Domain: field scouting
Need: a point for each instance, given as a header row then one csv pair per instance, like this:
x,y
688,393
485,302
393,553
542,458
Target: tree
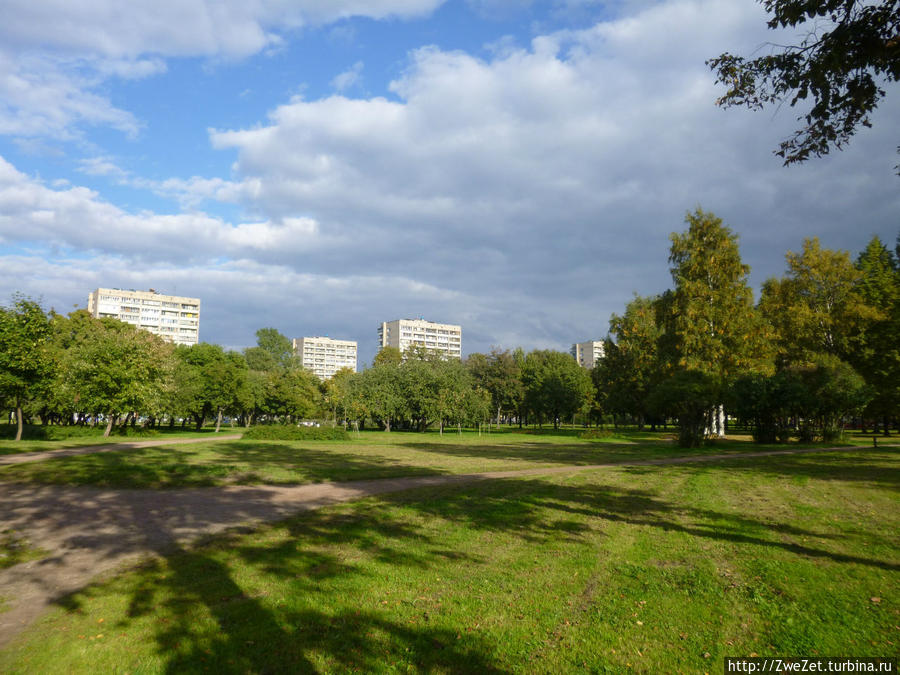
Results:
x,y
293,393
556,387
715,329
379,393
275,345
630,365
24,362
115,368
388,356
209,381
337,392
876,352
818,307
692,396
499,374
851,48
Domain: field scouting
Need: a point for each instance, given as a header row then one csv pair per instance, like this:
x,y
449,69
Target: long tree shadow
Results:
x,y
232,462
215,618
861,465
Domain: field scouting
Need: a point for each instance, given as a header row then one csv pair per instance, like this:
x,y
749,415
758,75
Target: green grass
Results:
x,y
15,549
41,439
368,456
642,569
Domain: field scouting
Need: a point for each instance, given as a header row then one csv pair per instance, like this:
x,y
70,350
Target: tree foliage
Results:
x,y
850,49
24,357
630,366
819,306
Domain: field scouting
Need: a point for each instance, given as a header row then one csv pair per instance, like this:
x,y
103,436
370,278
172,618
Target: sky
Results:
x,y
513,166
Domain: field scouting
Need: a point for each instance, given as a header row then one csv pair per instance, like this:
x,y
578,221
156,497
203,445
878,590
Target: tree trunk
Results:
x,y
19,424
109,424
387,424
218,419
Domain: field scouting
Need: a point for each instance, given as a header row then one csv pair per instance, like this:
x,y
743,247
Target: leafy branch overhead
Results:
x,y
850,50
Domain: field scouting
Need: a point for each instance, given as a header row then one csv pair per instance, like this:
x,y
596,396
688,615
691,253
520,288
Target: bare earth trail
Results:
x,y
88,531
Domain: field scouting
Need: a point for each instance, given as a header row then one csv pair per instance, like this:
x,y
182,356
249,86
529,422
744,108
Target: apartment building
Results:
x,y
443,338
325,356
173,317
587,354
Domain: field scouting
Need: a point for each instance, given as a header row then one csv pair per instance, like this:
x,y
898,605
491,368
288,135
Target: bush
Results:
x,y
287,432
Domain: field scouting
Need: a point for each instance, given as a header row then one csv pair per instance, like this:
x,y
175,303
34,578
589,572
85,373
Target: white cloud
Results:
x,y
349,78
46,96
525,196
54,56
79,219
228,28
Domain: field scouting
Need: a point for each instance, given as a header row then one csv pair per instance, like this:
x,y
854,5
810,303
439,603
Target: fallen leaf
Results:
x,y
875,600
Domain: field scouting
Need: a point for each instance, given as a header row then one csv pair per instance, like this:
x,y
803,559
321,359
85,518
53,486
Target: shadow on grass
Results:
x,y
875,467
231,462
212,607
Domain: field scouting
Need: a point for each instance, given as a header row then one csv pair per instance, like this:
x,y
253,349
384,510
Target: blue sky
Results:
x,y
514,166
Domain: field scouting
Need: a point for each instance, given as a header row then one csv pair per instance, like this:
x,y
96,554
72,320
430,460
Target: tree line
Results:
x,y
79,370
819,346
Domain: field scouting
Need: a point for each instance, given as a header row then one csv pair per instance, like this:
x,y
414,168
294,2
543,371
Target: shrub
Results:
x,y
287,432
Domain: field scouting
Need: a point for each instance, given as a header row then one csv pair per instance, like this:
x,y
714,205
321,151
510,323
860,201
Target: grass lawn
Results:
x,y
368,455
659,569
40,439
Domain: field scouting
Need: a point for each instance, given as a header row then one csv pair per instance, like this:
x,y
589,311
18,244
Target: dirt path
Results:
x,y
89,531
23,457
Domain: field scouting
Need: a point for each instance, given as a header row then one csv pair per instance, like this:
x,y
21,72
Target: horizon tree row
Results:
x,y
820,346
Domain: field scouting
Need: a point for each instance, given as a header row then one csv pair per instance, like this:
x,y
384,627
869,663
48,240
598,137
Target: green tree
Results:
x,y
388,356
276,345
715,329
379,394
24,356
630,365
115,368
556,387
876,351
337,392
848,52
692,396
292,393
209,381
819,307
500,375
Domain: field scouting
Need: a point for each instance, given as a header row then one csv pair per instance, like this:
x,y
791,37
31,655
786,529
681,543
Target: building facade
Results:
x,y
443,338
325,356
587,354
173,317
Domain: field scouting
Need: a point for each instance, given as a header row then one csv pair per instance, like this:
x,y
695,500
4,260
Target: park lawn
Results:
x,y
75,437
643,569
370,455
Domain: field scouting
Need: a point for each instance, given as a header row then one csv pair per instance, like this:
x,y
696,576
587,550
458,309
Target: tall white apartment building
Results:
x,y
175,318
443,338
325,356
587,353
